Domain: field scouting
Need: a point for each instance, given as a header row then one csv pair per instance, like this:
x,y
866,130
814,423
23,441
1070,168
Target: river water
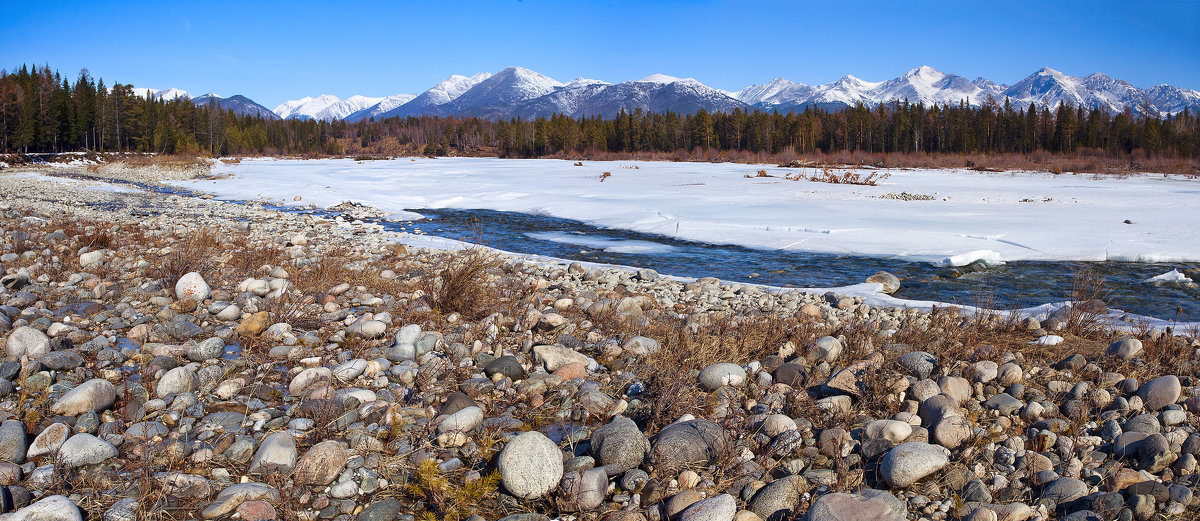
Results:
x,y
1009,286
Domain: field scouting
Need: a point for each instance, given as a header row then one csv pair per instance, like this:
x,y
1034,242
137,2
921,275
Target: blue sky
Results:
x,y
275,51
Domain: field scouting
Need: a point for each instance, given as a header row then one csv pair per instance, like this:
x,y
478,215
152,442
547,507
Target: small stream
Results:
x,y
1011,286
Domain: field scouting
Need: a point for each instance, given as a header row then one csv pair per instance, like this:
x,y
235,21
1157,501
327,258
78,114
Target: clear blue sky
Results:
x,y
275,51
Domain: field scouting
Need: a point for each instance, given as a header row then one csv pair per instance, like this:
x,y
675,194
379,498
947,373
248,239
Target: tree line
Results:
x,y
42,111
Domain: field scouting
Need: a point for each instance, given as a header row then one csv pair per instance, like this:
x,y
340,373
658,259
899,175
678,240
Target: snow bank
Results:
x,y
1017,216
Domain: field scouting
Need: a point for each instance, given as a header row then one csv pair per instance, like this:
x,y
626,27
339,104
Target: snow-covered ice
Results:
x,y
604,243
1170,277
996,217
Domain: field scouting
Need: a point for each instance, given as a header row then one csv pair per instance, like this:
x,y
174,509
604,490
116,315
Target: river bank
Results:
x,y
176,355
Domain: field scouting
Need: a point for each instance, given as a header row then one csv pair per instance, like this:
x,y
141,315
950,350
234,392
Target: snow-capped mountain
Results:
x,y
1169,99
345,107
165,94
519,92
933,86
1046,87
657,93
239,104
384,105
431,101
306,107
493,96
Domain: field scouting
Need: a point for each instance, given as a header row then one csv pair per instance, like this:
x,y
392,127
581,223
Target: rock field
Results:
x,y
175,357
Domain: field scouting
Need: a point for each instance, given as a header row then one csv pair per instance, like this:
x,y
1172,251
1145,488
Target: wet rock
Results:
x,y
891,283
530,465
507,366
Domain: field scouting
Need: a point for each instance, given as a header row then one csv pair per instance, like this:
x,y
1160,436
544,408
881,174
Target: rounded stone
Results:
x,y
276,454
95,395
192,286
918,363
27,341
894,431
851,507
689,442
716,376
1160,392
530,465
84,449
908,462
49,440
586,488
776,424
322,463
1125,348
461,420
13,442
716,508
176,381
619,445
891,283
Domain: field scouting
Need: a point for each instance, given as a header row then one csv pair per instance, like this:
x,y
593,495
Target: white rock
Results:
x,y
27,341
178,380
85,449
530,465
192,286
92,259
96,395
277,454
462,420
716,376
892,430
49,441
908,462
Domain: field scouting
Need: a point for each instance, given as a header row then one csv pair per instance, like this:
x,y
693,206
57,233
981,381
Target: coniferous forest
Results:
x,y
42,111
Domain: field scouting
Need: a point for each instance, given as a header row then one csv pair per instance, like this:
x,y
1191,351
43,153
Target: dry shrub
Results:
x,y
199,253
849,177
461,284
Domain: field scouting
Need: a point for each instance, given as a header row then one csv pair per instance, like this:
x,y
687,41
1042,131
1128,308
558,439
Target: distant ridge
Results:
x,y
519,92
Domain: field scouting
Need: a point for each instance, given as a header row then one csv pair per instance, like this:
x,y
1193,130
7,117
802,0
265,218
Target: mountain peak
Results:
x,y
663,78
1047,71
924,70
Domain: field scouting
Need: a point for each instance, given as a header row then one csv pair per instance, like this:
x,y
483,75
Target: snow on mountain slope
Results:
x,y
657,94
431,101
1169,99
384,105
306,107
238,104
564,100
345,108
847,90
165,94
779,91
928,85
507,87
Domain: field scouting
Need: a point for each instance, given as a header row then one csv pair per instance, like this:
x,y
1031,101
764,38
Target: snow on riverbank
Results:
x,y
1011,216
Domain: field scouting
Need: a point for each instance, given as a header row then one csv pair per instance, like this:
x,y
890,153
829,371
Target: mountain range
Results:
x,y
519,92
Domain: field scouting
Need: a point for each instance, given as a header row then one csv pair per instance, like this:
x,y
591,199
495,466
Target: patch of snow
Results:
x,y
988,257
1170,277
1048,340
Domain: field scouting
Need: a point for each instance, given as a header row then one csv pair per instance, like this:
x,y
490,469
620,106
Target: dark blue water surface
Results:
x,y
1010,286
